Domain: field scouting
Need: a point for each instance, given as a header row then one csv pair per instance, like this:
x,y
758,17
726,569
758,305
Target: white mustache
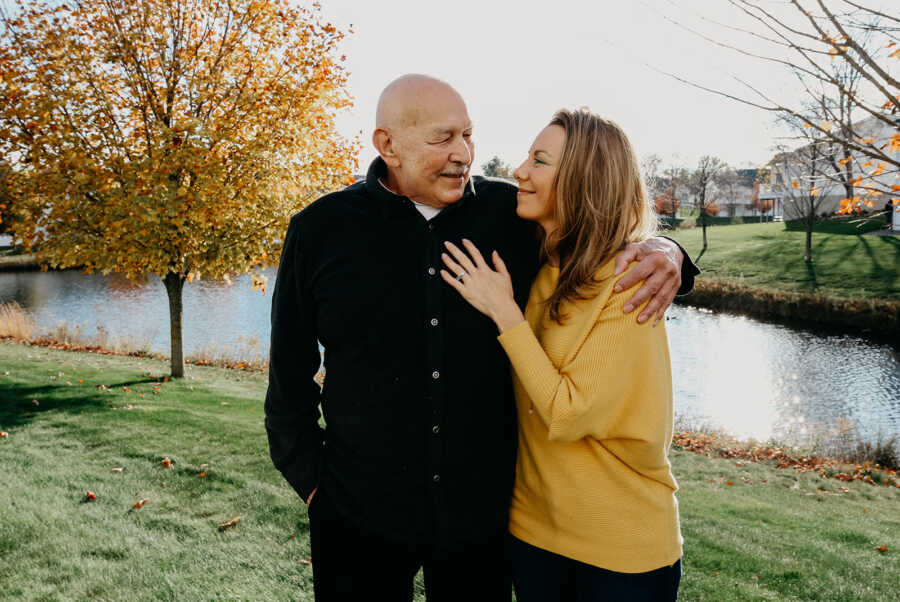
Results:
x,y
455,173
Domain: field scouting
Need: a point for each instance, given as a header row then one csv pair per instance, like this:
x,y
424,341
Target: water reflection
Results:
x,y
764,380
747,377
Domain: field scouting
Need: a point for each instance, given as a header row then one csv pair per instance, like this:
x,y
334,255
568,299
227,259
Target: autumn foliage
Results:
x,y
712,444
667,202
173,137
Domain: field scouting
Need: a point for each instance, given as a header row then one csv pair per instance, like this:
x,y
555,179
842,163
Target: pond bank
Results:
x,y
16,263
876,319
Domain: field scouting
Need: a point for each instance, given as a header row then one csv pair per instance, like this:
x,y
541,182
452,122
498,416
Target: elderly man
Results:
x,y
416,463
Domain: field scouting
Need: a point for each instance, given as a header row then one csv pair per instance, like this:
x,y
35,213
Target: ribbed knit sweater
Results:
x,y
594,397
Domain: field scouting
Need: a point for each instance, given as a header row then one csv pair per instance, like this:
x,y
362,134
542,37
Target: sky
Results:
x,y
517,62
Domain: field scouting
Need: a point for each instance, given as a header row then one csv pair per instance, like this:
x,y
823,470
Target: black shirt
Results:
x,y
420,440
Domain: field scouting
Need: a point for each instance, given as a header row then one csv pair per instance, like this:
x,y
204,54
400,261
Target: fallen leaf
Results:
x,y
202,475
166,463
140,503
3,434
35,402
68,382
118,469
729,483
882,549
90,496
229,523
306,561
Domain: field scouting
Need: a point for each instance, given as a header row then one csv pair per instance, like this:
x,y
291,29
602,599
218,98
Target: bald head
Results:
x,y
409,99
424,135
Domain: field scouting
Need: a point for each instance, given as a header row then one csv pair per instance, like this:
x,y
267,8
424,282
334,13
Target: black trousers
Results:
x,y
542,576
351,564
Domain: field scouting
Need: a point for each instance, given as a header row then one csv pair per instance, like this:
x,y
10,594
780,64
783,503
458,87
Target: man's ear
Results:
x,y
384,144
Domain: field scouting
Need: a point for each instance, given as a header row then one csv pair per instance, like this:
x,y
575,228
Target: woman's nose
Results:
x,y
520,173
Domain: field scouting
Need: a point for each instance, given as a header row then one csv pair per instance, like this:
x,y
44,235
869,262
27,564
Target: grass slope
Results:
x,y
767,255
770,535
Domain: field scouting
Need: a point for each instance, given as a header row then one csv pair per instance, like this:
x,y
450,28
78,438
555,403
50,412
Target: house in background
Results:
x,y
808,178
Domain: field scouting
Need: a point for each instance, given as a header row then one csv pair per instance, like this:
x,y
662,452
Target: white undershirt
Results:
x,y
427,211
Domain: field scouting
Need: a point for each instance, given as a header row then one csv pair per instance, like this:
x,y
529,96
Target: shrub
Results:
x,y
15,322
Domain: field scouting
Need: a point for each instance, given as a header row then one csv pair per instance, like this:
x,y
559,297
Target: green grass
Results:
x,y
772,535
769,256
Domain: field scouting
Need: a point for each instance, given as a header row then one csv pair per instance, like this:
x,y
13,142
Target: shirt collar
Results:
x,y
391,202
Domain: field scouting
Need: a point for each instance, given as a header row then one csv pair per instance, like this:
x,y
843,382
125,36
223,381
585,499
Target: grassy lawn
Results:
x,y
752,532
766,255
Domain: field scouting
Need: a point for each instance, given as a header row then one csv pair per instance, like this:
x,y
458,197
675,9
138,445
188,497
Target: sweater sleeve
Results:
x,y
585,397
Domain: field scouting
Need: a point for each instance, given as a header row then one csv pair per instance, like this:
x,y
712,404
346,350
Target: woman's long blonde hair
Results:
x,y
600,203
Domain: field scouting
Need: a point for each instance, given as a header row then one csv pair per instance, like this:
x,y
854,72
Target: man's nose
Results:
x,y
460,153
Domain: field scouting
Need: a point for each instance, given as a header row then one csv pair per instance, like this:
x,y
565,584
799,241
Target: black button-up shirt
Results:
x,y
420,437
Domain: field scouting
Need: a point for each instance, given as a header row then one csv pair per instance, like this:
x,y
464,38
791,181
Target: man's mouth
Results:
x,y
461,176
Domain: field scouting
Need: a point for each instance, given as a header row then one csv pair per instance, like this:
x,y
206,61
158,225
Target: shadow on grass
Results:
x,y
17,405
878,271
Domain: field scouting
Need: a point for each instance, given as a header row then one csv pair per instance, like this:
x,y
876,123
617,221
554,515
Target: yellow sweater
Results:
x,y
594,396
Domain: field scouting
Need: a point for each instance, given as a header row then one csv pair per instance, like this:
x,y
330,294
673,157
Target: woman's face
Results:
x,y
535,177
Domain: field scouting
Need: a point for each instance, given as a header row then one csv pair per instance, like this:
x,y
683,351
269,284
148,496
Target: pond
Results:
x,y
747,377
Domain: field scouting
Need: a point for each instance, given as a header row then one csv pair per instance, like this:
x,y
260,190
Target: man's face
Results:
x,y
435,151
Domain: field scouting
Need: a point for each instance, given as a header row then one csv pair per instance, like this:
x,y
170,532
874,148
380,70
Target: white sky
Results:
x,y
516,62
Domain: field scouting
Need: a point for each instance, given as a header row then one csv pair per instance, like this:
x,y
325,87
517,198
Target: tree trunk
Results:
x,y
174,286
809,230
703,222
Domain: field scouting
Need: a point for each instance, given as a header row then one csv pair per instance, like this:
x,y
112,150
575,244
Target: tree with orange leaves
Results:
x,y
844,55
667,203
172,137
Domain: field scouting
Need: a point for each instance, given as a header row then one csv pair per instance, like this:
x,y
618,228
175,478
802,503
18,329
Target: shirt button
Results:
x,y
436,478
436,429
432,271
435,375
434,321
430,226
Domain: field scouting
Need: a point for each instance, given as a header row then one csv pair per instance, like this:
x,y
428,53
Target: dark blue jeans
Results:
x,y
542,576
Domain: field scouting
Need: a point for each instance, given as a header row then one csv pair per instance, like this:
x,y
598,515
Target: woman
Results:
x,y
593,515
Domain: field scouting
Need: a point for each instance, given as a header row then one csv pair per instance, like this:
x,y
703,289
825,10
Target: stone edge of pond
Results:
x,y
877,319
15,263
